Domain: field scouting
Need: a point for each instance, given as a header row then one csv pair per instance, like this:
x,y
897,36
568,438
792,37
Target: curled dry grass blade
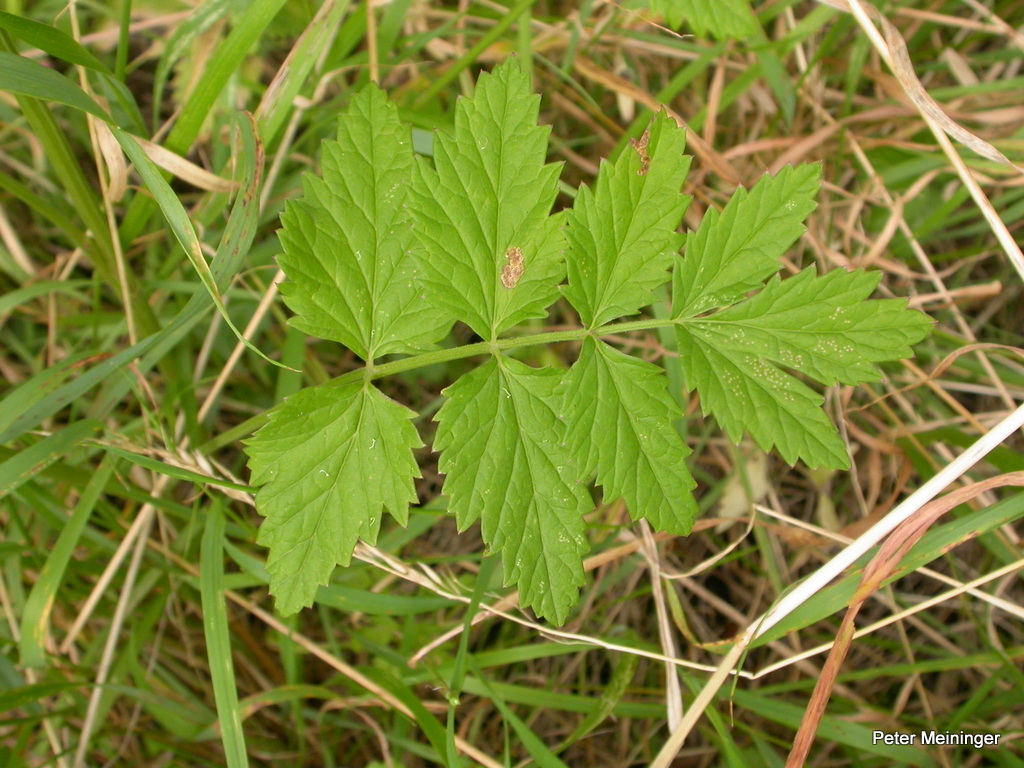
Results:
x,y
878,570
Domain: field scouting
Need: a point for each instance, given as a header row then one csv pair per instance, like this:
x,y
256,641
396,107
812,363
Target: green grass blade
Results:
x,y
350,600
28,78
17,297
175,47
251,22
277,105
474,52
41,600
538,750
32,406
172,210
218,637
62,46
777,77
16,697
68,170
51,40
53,209
182,228
939,540
252,19
58,398
618,684
427,722
123,106
832,728
121,60
244,218
176,472
458,675
22,399
24,465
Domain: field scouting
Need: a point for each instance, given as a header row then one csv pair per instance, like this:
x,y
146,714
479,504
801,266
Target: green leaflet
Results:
x,y
745,393
722,18
329,460
387,251
622,240
488,194
349,251
622,236
734,251
819,326
618,417
506,462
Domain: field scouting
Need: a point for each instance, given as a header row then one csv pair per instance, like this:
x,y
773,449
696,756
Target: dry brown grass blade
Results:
x,y
938,126
952,357
673,692
903,68
823,690
184,169
882,565
113,156
930,380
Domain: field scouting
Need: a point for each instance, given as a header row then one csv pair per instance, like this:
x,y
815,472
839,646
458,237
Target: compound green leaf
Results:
x,y
387,251
329,461
349,249
735,251
618,415
503,451
820,326
622,236
494,254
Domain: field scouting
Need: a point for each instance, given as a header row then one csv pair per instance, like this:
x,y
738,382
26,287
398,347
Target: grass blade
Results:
x,y
182,228
218,637
51,40
27,78
179,473
538,750
33,404
41,600
23,466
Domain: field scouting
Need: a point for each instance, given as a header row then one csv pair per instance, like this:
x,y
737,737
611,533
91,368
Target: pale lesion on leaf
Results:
x,y
640,145
513,269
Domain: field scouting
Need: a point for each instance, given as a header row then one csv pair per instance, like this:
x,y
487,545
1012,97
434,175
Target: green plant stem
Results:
x,y
484,347
447,355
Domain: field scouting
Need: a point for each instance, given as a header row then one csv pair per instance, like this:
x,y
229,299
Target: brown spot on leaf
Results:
x,y
641,149
513,270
